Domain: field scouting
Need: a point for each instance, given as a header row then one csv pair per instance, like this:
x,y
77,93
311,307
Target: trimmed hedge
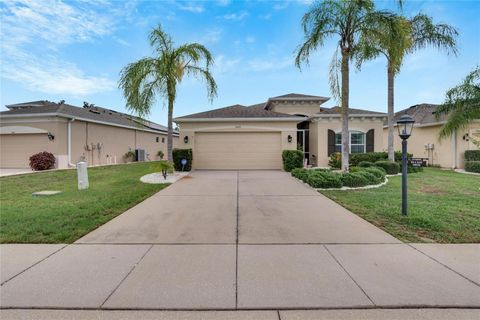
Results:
x,y
365,164
472,166
42,161
354,180
378,172
389,166
472,155
356,158
329,179
324,179
178,155
292,159
300,173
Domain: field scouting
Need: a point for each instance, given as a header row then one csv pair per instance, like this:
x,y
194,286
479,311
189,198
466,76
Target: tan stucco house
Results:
x,y
424,141
96,135
253,137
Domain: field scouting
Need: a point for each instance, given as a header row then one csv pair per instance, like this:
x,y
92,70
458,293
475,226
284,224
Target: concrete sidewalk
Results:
x,y
239,241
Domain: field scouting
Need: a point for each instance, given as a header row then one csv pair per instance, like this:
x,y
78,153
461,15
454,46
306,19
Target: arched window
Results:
x,y
357,142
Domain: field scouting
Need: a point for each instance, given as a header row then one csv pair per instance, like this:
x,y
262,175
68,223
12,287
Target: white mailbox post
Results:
x,y
82,175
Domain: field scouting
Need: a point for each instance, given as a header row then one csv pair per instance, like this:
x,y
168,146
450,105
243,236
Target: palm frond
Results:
x,y
462,104
426,33
205,75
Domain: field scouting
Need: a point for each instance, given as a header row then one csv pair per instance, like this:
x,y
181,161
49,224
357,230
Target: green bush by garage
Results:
x,y
292,159
178,155
472,161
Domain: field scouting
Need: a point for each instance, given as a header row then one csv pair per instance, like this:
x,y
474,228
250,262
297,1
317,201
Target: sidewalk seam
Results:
x,y
350,276
126,276
442,264
33,265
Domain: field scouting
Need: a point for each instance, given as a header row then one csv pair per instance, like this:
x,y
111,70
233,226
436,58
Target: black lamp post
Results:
x,y
405,126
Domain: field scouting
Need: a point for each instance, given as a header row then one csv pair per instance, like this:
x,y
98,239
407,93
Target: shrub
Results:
x,y
324,179
300,173
412,169
130,155
354,179
292,159
356,158
472,166
160,154
389,166
178,155
365,164
371,178
335,160
472,155
42,161
378,172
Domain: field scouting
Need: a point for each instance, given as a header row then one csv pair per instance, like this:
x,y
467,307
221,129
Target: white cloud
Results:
x,y
195,8
212,36
226,65
250,39
223,3
43,27
280,5
236,16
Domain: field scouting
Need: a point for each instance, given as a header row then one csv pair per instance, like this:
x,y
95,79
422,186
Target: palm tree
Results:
x,y
348,21
462,104
395,39
143,80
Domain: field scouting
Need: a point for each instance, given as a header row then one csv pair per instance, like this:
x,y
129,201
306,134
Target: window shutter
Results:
x,y
370,140
331,142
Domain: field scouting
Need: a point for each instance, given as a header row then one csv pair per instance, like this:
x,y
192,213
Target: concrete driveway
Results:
x,y
239,240
251,207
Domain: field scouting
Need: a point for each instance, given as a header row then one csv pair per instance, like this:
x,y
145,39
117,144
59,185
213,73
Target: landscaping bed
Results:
x,y
328,179
443,207
65,217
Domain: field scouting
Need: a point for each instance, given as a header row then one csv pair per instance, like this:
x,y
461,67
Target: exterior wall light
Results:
x,y
404,126
185,139
289,138
50,136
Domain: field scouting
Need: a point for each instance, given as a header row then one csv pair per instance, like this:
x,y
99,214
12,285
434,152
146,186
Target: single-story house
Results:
x,y
424,141
253,137
96,135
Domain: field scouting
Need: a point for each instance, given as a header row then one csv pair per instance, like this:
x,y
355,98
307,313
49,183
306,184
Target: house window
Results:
x,y
163,140
157,139
357,142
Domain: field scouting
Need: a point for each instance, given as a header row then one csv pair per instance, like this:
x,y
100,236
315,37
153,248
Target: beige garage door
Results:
x,y
16,149
238,150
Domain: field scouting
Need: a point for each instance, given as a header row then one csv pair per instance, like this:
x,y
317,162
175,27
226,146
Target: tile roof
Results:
x,y
89,113
351,111
298,96
423,113
238,111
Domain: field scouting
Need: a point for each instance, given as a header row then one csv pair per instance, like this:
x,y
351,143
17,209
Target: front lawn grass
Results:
x,y
443,206
66,217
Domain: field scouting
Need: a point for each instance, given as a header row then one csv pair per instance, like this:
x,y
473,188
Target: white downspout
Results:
x,y
69,142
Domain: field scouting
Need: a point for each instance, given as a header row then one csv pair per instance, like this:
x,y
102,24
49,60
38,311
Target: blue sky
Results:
x,y
74,50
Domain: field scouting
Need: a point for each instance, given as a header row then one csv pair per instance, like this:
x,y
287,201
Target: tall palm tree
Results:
x,y
143,80
395,39
462,104
347,21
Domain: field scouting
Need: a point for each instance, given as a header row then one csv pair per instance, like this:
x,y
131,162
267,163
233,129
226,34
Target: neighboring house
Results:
x,y
92,134
424,142
253,137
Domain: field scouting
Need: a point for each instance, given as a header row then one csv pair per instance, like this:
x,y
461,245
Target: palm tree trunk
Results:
x,y
170,130
391,79
344,105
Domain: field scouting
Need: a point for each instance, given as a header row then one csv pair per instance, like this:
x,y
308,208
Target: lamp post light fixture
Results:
x,y
404,126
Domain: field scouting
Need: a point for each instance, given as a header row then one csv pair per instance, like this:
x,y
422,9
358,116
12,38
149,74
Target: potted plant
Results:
x,y
160,154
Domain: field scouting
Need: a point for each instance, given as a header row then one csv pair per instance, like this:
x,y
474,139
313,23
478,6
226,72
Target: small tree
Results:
x,y
163,166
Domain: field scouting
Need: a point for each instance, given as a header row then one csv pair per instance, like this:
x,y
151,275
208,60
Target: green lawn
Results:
x,y
444,206
66,217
